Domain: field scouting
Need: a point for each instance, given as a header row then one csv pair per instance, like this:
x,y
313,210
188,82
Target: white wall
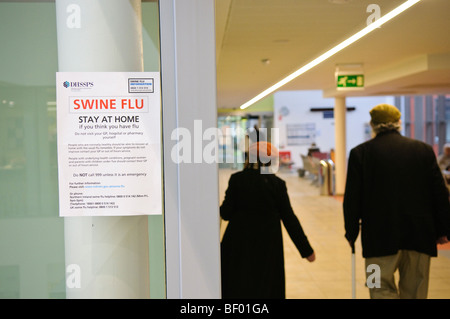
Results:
x,y
299,103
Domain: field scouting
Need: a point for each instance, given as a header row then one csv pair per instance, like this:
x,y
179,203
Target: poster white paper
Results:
x,y
109,143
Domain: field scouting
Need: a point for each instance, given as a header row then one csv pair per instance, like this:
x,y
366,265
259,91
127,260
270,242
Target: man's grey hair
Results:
x,y
385,127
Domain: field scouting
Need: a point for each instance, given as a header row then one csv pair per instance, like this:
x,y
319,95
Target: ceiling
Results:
x,y
259,42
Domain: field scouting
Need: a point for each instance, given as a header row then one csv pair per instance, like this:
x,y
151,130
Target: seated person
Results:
x,y
313,149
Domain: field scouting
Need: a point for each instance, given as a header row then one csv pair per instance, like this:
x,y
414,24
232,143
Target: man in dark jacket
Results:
x,y
396,192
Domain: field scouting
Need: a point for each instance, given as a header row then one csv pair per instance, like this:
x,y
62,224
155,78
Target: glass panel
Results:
x,y
150,39
31,233
232,142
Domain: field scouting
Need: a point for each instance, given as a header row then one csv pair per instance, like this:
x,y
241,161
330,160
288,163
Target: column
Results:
x,y
340,110
192,189
108,254
441,125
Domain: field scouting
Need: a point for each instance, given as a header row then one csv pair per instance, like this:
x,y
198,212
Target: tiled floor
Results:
x,y
330,276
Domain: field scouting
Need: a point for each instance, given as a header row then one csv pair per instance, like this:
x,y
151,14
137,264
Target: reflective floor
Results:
x,y
330,276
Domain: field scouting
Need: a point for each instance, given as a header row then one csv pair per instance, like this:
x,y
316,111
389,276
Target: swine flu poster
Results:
x,y
109,143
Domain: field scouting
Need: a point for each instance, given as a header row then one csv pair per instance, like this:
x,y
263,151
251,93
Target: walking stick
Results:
x,y
353,271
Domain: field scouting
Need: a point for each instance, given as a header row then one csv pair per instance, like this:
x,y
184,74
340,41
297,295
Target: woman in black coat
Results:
x,y
252,246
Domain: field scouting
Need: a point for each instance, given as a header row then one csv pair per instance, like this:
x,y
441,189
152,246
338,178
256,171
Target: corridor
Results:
x,y
330,276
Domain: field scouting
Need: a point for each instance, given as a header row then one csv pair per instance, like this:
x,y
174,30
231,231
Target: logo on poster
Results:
x,y
78,85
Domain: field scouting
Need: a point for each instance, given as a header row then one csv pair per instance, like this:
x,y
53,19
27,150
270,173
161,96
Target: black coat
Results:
x,y
396,189
252,247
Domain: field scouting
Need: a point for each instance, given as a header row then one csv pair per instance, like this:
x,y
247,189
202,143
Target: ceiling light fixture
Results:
x,y
376,24
339,1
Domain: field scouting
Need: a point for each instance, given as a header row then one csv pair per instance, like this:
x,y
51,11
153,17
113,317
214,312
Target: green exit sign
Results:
x,y
350,81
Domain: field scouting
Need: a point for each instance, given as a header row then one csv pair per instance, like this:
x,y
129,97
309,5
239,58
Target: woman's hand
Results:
x,y
442,240
311,257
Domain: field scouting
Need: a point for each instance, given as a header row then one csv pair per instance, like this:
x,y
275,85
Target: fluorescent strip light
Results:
x,y
376,24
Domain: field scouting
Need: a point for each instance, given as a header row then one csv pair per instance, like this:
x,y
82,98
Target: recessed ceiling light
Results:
x,y
340,1
281,41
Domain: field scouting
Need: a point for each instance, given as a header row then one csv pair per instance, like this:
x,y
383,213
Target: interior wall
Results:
x,y
293,109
